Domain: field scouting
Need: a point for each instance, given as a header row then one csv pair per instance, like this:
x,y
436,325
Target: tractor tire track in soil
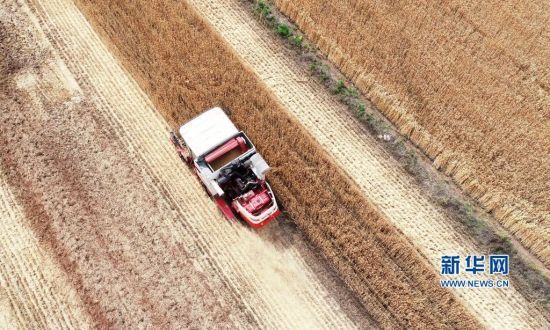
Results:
x,y
130,225
363,159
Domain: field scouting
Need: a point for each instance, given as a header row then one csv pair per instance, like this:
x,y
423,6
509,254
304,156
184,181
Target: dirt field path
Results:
x,y
151,248
33,290
382,180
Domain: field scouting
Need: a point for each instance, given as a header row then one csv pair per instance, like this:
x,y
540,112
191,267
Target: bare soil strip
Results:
x,y
34,291
130,225
380,179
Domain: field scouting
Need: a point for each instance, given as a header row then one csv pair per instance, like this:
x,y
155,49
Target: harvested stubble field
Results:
x,y
100,197
185,67
466,81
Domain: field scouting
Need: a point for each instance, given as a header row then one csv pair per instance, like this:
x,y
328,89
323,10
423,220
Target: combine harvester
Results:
x,y
228,165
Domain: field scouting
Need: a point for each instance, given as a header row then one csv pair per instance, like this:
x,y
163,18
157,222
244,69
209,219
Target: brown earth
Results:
x,y
185,67
467,82
33,288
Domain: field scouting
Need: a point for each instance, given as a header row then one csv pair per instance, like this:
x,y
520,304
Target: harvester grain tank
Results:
x,y
228,165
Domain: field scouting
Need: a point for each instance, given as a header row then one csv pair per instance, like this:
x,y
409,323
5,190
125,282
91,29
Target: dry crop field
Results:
x,y
103,227
123,233
360,243
466,81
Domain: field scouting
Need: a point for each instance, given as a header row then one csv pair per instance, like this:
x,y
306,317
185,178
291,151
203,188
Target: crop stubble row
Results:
x,y
185,68
467,82
33,290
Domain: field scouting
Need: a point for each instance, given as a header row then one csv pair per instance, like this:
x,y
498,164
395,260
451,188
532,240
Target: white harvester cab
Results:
x,y
228,165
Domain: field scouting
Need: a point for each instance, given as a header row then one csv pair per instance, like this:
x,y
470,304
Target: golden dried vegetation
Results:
x,y
467,81
185,67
